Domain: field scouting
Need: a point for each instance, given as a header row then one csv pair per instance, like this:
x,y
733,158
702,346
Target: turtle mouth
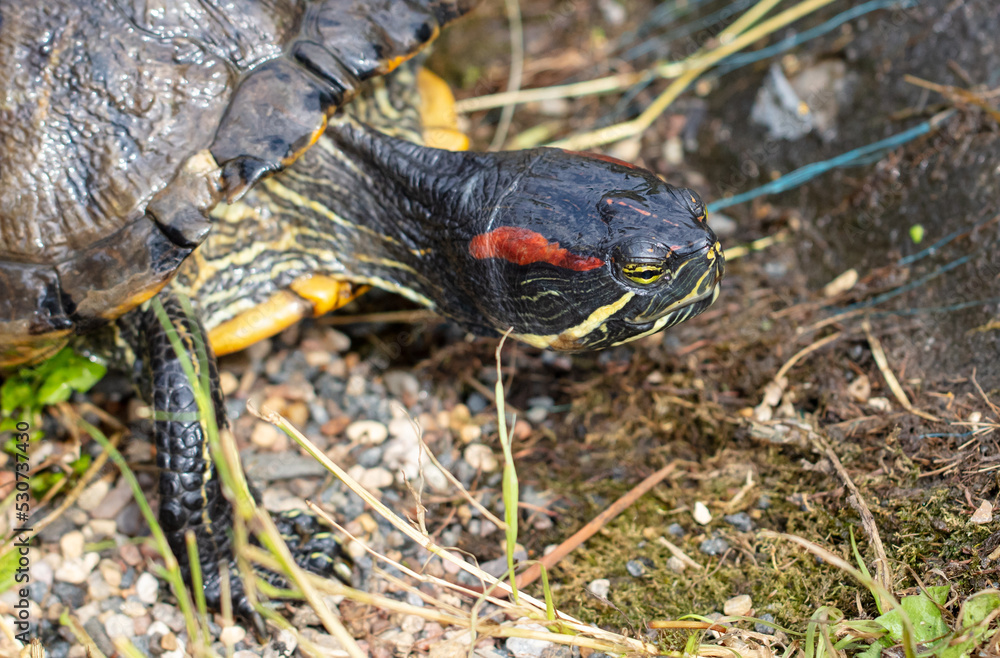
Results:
x,y
710,292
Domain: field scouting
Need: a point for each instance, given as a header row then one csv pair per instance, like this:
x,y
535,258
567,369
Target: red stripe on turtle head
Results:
x,y
523,246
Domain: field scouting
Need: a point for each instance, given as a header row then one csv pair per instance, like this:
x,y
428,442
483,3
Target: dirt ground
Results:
x,y
691,393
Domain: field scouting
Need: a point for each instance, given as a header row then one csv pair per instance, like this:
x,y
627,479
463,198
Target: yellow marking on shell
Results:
x,y
282,310
570,338
135,300
21,350
290,159
325,292
438,115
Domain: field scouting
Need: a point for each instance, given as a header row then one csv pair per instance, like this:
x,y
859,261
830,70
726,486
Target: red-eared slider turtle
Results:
x,y
124,123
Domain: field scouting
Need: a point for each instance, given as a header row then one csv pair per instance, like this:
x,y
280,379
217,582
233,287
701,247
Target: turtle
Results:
x,y
159,151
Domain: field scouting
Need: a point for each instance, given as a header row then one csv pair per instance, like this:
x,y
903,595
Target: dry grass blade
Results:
x,y
804,352
693,68
890,378
516,72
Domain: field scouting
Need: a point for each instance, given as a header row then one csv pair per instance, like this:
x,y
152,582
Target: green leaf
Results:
x,y
82,464
923,613
874,650
978,607
917,233
15,394
75,373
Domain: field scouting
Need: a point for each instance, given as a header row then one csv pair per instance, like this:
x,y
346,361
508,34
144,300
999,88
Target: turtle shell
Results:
x,y
122,123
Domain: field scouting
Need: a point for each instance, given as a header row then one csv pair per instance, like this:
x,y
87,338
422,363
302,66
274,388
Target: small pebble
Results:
x,y
536,415
543,401
402,428
102,529
97,588
147,588
71,545
228,383
476,403
75,571
521,647
741,521
481,457
701,514
764,629
231,635
470,433
376,478
635,568
764,502
738,606
600,587
92,496
111,572
371,457
368,432
265,435
676,529
714,546
676,564
119,625
984,514
412,623
880,404
401,384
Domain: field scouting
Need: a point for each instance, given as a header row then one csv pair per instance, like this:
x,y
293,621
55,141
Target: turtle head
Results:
x,y
584,252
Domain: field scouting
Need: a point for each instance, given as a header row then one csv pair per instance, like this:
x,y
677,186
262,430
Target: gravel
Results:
x,y
714,546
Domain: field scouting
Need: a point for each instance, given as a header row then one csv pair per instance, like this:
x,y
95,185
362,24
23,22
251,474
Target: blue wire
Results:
x,y
804,174
736,61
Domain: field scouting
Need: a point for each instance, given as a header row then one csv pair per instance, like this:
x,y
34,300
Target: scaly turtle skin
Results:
x,y
124,126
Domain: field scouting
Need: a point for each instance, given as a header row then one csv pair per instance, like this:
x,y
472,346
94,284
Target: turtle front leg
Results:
x,y
190,490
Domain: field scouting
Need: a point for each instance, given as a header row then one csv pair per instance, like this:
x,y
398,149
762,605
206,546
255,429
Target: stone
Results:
x,y
367,432
701,514
637,568
738,606
676,564
741,521
231,635
983,514
265,435
119,625
714,546
600,587
480,457
765,629
76,570
92,496
116,500
71,545
147,588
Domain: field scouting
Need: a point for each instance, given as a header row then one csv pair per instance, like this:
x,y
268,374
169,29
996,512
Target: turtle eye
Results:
x,y
643,273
